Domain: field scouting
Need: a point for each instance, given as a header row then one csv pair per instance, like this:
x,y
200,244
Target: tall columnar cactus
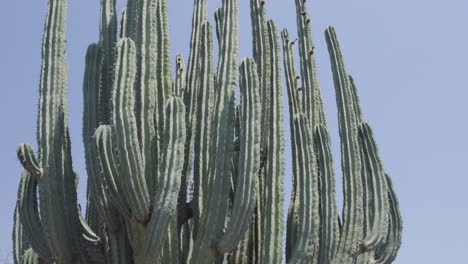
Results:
x,y
181,172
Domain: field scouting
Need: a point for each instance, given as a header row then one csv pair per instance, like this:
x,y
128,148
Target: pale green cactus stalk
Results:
x,y
178,170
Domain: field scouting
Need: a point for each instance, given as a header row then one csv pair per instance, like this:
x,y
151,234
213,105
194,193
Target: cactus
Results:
x,y
179,171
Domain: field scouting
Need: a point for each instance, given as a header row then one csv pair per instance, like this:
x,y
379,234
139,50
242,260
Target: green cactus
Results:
x,y
178,171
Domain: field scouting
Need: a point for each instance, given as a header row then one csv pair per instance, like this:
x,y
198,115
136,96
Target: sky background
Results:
x,y
409,62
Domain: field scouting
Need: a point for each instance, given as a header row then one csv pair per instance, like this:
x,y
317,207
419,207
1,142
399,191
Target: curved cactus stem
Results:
x,y
94,87
110,169
129,153
90,243
375,187
164,208
204,125
294,108
272,223
353,228
91,87
27,158
29,215
387,252
107,41
330,230
249,162
307,194
179,82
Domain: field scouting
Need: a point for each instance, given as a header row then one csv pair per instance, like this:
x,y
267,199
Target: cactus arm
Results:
x,y
203,126
20,240
29,214
329,235
249,162
261,55
312,100
193,119
291,74
223,118
147,114
51,126
218,21
91,87
351,165
128,147
356,105
192,85
261,48
87,233
53,81
105,146
179,87
123,24
57,191
85,243
389,249
374,182
307,194
107,41
213,220
131,21
90,242
27,158
272,235
294,108
164,208
179,82
163,79
376,188
94,88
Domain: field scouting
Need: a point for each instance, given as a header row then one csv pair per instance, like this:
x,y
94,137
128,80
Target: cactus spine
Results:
x,y
181,172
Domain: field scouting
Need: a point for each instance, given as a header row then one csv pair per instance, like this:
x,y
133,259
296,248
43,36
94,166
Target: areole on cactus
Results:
x,y
179,171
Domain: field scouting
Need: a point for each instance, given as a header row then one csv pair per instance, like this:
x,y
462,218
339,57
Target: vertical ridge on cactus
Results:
x,y
180,170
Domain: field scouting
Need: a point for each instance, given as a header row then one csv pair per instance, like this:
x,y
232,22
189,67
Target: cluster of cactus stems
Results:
x,y
179,170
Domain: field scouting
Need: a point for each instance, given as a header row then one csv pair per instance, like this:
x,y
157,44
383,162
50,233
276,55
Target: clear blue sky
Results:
x,y
409,62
